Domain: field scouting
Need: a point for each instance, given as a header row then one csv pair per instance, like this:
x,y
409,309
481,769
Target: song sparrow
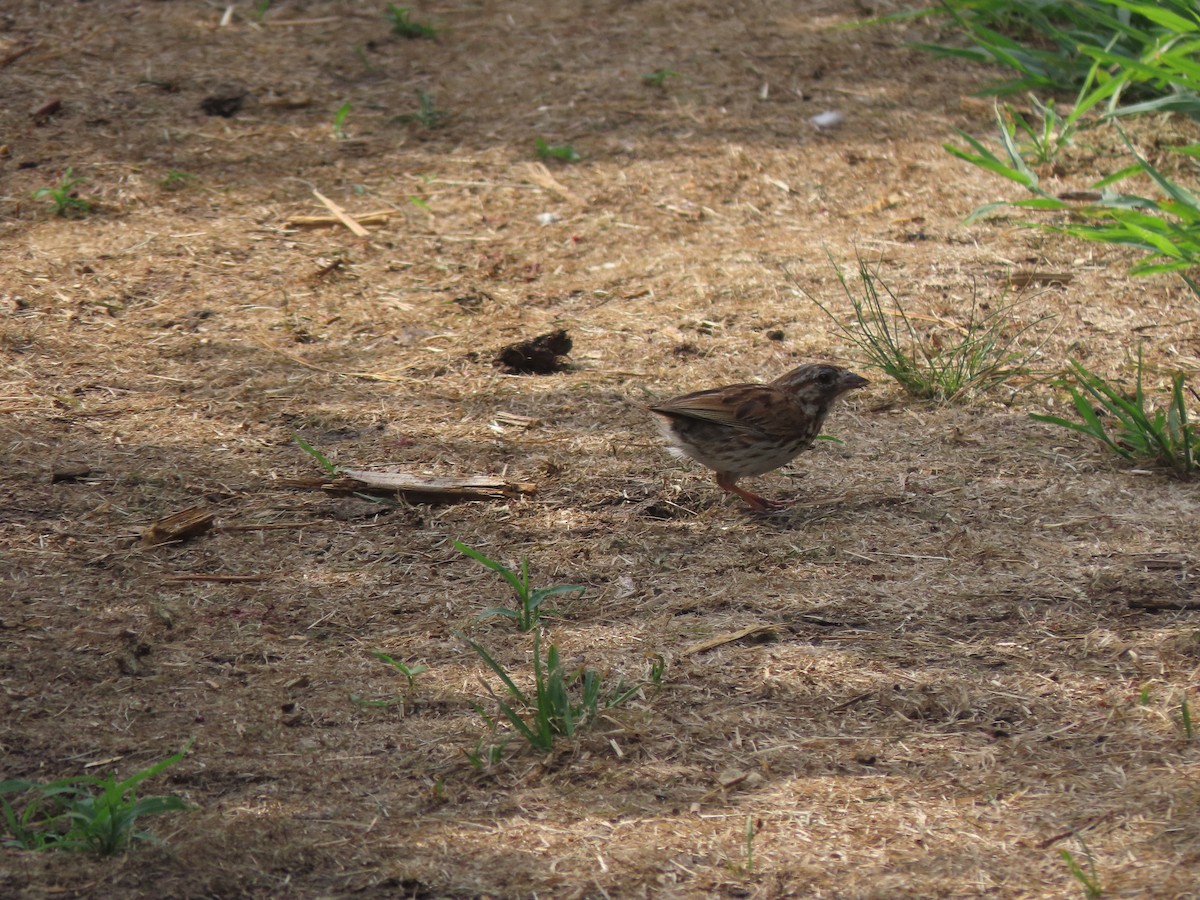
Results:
x,y
750,429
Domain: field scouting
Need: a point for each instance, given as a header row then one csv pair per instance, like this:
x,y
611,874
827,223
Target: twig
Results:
x,y
220,579
342,215
1082,826
738,635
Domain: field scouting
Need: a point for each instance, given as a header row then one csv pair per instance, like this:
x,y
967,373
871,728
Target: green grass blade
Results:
x,y
504,571
316,454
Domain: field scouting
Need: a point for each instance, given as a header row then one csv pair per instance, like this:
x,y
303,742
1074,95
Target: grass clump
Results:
x,y
529,609
406,27
945,363
1131,426
562,703
1166,230
84,813
64,198
1143,50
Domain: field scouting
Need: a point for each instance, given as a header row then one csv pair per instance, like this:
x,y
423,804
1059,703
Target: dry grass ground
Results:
x,y
961,681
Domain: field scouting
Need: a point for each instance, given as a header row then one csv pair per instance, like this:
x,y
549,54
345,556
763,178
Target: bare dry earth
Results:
x,y
964,679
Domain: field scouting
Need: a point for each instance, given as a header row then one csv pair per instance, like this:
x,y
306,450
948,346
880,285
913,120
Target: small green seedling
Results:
x,y
260,10
658,78
529,610
410,673
1185,717
64,198
339,121
560,152
406,27
427,113
175,180
752,830
483,757
85,812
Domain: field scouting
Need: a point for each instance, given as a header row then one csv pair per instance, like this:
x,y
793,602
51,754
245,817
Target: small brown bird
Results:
x,y
750,429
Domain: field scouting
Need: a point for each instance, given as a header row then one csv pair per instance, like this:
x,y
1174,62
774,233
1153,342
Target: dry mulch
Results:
x,y
964,650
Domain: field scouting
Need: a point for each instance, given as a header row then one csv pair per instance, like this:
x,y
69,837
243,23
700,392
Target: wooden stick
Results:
x,y
12,57
379,217
220,579
445,490
1091,822
342,215
728,638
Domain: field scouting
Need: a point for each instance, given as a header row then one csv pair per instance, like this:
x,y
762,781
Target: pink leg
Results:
x,y
728,482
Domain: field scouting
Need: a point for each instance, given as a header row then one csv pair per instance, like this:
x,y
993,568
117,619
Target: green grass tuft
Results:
x,y
946,363
1131,426
64,198
406,27
83,813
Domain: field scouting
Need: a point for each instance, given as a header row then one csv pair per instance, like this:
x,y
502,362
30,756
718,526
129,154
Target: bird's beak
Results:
x,y
853,382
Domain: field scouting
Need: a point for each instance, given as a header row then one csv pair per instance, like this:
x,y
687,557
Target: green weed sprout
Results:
x,y
562,702
560,152
410,673
406,27
1088,880
85,813
529,609
321,458
1132,428
339,121
658,78
427,113
175,180
64,198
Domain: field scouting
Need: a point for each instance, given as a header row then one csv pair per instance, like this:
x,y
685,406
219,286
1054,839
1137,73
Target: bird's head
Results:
x,y
819,382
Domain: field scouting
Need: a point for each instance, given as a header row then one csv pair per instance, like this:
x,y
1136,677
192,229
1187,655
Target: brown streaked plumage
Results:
x,y
750,429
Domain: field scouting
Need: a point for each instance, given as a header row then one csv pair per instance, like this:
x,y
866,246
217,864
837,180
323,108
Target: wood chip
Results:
x,y
729,638
341,215
179,526
541,176
504,420
42,114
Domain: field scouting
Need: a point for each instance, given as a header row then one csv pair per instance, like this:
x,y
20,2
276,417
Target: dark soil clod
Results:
x,y
540,356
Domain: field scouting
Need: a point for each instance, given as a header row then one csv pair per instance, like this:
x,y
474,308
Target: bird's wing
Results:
x,y
736,406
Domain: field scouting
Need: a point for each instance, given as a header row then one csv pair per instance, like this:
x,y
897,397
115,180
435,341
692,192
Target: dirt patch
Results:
x,y
955,681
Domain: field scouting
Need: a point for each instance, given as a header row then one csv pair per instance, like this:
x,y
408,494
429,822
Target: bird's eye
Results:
x,y
825,378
